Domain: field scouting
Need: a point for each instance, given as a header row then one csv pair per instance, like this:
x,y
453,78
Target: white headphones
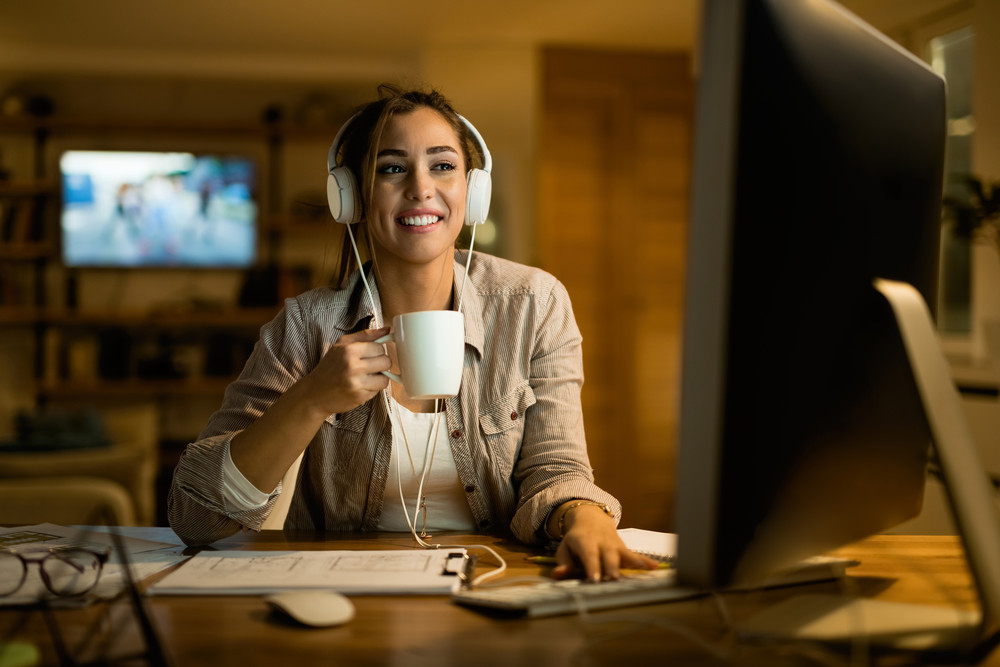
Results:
x,y
344,197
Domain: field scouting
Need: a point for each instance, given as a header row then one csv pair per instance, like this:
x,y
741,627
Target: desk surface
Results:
x,y
430,630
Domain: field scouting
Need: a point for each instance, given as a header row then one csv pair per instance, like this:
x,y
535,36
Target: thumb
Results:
x,y
565,565
372,334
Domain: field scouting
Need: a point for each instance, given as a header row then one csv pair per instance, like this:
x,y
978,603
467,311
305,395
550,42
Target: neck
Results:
x,y
407,289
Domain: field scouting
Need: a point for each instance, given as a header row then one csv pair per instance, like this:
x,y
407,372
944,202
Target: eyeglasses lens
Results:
x,y
71,572
12,571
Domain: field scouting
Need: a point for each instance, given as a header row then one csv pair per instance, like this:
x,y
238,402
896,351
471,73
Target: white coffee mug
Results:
x,y
430,346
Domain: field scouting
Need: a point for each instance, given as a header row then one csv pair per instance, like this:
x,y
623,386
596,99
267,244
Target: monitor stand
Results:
x,y
845,620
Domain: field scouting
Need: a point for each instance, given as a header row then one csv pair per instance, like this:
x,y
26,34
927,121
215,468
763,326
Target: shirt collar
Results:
x,y
472,304
361,316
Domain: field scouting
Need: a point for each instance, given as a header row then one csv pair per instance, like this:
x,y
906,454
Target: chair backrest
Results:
x,y
63,501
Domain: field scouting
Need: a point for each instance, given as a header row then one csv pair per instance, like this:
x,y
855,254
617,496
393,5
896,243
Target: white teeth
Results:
x,y
419,220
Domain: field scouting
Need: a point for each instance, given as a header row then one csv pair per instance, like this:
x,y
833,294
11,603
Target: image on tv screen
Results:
x,y
157,209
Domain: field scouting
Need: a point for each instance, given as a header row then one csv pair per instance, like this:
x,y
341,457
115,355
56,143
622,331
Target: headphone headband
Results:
x,y
344,197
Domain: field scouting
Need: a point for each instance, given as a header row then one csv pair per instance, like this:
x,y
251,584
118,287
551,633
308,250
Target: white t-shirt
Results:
x,y
447,508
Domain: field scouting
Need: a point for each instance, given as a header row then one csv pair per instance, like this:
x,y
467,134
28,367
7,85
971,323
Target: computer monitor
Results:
x,y
818,167
813,384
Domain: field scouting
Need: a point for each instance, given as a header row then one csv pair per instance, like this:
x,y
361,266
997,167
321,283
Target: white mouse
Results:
x,y
317,608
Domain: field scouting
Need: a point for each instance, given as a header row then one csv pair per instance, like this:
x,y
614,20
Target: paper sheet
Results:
x,y
349,572
657,545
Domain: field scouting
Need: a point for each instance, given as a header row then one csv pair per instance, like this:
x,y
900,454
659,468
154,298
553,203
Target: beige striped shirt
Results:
x,y
515,428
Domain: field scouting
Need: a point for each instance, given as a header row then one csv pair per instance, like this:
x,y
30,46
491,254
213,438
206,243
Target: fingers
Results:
x,y
365,336
365,348
595,553
350,371
633,561
592,560
565,564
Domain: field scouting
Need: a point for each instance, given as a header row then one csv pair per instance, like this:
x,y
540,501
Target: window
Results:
x,y
951,55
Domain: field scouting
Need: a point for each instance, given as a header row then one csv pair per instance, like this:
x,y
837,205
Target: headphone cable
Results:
x,y
385,393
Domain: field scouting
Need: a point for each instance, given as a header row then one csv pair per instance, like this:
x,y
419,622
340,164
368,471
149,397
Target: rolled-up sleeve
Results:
x,y
553,465
196,504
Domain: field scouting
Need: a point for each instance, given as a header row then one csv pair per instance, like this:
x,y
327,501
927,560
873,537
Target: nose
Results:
x,y
419,185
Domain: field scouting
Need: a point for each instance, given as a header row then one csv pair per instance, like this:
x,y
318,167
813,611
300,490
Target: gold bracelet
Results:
x,y
562,517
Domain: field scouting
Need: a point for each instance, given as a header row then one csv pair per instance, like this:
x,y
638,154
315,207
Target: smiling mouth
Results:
x,y
418,220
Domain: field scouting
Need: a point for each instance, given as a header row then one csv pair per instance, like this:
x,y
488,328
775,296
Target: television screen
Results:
x,y
157,209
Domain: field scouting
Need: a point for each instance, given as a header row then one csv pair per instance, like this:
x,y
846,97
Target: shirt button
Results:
x,y
513,415
469,488
456,434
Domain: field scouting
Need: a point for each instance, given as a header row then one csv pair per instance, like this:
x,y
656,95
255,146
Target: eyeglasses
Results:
x,y
66,572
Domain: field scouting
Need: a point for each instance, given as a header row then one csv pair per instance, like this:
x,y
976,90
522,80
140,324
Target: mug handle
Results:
x,y
392,376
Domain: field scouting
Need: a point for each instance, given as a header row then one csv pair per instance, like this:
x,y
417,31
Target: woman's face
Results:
x,y
418,203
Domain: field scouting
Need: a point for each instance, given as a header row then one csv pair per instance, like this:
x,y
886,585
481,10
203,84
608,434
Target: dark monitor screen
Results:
x,y
157,209
818,167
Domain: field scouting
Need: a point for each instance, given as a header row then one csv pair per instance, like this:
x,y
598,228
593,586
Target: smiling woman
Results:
x,y
507,454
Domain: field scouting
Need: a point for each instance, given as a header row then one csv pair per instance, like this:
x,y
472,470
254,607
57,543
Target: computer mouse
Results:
x,y
317,608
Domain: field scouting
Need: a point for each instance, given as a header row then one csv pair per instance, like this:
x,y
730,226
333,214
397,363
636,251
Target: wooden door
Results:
x,y
614,161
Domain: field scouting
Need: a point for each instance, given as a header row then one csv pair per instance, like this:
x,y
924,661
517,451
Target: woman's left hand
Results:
x,y
591,544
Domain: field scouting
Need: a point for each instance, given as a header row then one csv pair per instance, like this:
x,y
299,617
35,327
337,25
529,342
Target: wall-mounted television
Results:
x,y
134,209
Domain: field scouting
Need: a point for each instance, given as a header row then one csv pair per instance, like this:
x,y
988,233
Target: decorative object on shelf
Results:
x,y
18,100
50,430
978,213
40,105
272,114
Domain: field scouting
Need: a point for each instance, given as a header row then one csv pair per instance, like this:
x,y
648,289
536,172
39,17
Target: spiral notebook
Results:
x,y
656,545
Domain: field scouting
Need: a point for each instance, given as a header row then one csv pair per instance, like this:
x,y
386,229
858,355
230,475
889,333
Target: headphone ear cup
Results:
x,y
343,196
477,200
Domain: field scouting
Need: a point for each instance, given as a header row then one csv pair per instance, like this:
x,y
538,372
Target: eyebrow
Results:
x,y
430,151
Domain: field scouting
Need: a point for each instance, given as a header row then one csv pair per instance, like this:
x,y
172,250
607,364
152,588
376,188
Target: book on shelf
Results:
x,y
17,288
17,221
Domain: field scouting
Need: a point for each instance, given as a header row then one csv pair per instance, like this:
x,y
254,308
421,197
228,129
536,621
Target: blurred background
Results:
x,y
112,359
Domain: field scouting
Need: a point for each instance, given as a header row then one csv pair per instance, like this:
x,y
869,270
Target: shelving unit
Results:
x,y
65,338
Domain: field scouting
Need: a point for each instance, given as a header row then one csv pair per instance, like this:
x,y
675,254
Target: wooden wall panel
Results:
x,y
613,202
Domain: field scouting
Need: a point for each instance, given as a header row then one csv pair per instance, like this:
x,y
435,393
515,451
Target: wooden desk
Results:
x,y
430,630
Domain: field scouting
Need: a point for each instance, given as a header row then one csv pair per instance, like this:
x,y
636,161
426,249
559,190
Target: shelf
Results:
x,y
229,318
224,318
24,251
135,387
19,315
25,188
22,124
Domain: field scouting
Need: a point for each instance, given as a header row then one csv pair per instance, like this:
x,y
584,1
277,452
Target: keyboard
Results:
x,y
571,596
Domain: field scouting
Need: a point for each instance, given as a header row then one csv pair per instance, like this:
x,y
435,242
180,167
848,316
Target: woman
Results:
x,y
510,453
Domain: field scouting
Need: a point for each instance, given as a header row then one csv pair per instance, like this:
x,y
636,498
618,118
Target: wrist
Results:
x,y
307,400
560,520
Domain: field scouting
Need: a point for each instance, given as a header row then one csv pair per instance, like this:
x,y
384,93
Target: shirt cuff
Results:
x,y
239,493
